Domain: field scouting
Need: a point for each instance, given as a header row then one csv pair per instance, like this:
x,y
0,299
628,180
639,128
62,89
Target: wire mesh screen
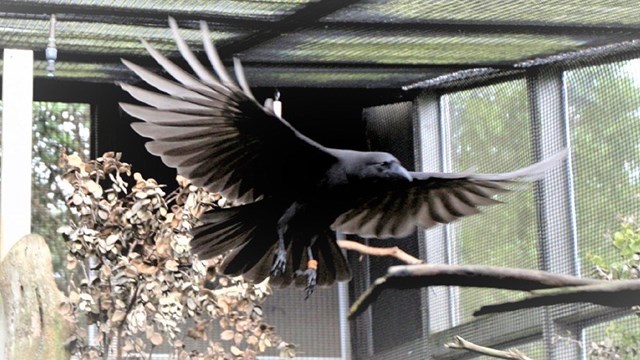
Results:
x,y
396,316
314,325
581,220
617,339
490,130
603,103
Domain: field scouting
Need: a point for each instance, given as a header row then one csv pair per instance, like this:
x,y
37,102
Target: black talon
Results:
x,y
311,275
279,262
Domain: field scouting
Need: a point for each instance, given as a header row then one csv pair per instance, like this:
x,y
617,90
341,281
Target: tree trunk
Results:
x,y
32,326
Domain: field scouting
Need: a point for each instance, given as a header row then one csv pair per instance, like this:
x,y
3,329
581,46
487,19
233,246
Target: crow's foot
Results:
x,y
279,263
312,275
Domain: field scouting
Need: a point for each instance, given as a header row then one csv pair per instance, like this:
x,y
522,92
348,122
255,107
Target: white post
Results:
x,y
15,188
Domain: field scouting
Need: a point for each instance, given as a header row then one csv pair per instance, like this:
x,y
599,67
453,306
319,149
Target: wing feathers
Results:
x,y
213,130
167,86
213,56
188,55
432,198
165,102
242,80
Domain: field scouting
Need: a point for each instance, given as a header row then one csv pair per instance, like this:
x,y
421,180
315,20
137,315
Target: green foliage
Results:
x,y
627,242
603,113
57,128
491,131
621,337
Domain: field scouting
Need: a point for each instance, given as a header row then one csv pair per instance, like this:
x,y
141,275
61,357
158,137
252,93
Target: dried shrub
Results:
x,y
137,283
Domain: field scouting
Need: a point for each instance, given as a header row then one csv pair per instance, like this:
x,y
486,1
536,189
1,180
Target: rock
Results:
x,y
32,327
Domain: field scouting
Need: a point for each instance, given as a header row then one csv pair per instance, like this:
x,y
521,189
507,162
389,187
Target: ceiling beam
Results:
x,y
308,15
146,60
488,27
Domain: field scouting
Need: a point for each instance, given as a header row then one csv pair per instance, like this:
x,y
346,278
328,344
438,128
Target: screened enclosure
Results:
x,y
444,86
561,226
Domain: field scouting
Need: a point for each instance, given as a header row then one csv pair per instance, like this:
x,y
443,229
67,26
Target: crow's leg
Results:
x,y
311,273
280,258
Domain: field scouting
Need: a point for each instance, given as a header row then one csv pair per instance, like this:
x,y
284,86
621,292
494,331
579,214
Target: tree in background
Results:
x,y
491,132
603,112
57,128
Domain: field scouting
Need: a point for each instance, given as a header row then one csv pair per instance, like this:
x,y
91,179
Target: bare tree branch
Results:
x,y
614,293
462,344
425,275
394,251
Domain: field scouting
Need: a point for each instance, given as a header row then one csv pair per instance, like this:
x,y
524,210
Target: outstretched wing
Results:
x,y
394,209
214,132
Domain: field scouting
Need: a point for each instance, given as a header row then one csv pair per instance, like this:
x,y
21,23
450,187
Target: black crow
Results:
x,y
292,194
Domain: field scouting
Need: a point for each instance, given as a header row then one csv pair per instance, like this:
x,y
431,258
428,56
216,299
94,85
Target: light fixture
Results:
x,y
51,53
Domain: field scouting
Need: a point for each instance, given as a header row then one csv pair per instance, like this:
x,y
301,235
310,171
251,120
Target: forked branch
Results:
x,y
394,251
462,344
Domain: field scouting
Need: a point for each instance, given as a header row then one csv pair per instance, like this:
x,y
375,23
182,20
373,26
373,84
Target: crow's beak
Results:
x,y
401,172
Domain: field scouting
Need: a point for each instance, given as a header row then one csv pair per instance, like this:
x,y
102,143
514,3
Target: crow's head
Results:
x,y
381,165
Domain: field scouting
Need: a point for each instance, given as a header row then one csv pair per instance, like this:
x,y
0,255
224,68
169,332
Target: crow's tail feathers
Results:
x,y
249,232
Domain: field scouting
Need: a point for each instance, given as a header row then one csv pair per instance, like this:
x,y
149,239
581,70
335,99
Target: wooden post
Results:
x,y
15,189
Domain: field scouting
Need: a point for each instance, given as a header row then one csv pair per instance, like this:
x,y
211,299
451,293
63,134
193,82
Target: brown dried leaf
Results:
x,y
237,339
235,351
227,335
74,160
76,199
156,339
118,316
94,188
252,340
171,265
131,272
146,269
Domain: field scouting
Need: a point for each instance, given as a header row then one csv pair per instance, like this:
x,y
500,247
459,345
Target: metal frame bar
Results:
x,y
436,242
309,14
557,242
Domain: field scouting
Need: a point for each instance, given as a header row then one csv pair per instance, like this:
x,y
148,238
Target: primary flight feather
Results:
x,y
294,193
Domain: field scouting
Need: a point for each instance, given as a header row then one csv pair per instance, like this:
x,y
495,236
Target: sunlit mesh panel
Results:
x,y
268,10
493,11
335,78
359,45
490,130
314,325
603,104
99,38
